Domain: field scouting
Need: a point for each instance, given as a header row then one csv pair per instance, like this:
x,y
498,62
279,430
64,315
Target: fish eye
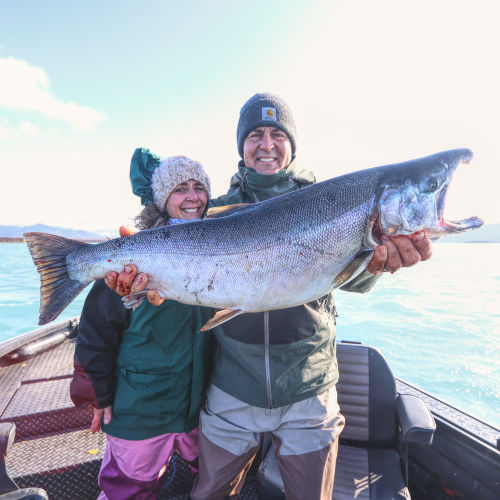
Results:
x,y
433,183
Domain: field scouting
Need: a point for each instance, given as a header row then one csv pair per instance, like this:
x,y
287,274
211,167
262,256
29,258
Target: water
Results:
x,y
20,292
437,324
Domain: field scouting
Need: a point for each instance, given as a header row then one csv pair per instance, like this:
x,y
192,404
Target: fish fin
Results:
x,y
224,211
352,267
134,300
220,317
57,289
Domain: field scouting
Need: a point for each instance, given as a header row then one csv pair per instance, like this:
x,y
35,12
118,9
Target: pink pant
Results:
x,y
133,469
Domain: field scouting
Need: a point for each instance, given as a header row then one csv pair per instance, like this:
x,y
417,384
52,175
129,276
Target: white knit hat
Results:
x,y
173,171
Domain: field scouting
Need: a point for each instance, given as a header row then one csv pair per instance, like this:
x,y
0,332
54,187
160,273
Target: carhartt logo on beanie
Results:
x,y
265,110
269,114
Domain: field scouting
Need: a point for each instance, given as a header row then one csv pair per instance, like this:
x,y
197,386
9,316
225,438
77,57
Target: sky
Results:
x,y
82,84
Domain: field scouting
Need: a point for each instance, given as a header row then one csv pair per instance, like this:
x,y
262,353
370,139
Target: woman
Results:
x,y
145,371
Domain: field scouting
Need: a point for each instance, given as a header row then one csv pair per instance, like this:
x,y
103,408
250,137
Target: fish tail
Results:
x,y
57,289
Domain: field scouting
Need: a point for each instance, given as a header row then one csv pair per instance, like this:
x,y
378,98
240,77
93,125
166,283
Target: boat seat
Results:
x,y
380,424
8,488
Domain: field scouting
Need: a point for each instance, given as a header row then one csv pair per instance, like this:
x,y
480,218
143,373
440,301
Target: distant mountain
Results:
x,y
489,233
78,234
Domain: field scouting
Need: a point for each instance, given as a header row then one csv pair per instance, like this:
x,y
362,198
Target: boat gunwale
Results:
x,y
15,343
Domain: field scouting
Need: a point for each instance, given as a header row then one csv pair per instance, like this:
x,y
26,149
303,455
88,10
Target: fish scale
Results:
x,y
275,254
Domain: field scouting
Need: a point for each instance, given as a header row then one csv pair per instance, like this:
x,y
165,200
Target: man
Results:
x,y
276,371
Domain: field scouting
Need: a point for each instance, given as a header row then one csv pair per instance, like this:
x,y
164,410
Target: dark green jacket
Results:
x,y
151,364
248,186
276,358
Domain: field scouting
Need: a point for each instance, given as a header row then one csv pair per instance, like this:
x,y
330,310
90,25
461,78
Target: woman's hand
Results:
x,y
129,280
103,414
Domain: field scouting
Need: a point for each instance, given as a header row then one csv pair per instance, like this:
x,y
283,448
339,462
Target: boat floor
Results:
x,y
54,447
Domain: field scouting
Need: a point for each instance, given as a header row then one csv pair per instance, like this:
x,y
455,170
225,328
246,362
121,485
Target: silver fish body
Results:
x,y
270,255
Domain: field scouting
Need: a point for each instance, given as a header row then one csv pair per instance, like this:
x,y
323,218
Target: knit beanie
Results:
x,y
265,110
173,171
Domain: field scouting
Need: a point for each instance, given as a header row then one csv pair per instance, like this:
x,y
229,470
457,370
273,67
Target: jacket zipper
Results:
x,y
267,360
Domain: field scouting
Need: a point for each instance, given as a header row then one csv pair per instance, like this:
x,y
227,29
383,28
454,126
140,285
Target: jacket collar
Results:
x,y
250,180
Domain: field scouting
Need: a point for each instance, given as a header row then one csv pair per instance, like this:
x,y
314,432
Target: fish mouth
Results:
x,y
443,228
450,227
465,159
413,199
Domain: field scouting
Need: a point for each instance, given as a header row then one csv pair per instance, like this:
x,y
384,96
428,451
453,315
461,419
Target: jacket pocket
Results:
x,y
148,394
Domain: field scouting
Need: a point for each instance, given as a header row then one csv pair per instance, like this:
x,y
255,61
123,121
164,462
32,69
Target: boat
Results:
x,y
47,442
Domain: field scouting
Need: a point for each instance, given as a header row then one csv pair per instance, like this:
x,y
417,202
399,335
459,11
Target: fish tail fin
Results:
x,y
57,289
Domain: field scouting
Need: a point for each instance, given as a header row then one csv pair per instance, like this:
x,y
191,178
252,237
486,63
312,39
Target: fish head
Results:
x,y
412,196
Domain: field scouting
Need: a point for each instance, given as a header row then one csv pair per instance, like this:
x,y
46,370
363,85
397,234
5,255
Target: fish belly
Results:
x,y
273,277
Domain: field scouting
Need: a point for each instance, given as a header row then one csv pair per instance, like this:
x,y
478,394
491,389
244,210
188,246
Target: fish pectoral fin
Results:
x,y
220,317
352,267
224,211
134,300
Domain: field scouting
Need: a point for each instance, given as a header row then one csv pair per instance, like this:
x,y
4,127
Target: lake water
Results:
x,y
438,324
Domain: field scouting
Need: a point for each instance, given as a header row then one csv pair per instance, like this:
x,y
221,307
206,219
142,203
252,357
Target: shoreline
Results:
x,y
17,239
11,239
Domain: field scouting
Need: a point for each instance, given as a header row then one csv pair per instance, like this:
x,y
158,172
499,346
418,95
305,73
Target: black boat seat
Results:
x,y
8,488
372,457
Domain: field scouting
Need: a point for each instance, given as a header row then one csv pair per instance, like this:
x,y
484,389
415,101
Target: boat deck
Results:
x,y
55,449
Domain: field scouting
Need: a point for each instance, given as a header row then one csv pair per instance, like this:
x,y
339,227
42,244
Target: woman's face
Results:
x,y
187,201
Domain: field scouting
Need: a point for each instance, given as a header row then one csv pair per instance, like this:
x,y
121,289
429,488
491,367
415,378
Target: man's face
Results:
x,y
267,150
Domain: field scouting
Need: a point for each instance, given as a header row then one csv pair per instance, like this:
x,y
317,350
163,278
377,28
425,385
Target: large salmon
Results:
x,y
270,255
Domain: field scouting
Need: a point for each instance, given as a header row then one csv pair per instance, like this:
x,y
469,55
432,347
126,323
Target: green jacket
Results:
x,y
151,364
277,358
248,186
161,371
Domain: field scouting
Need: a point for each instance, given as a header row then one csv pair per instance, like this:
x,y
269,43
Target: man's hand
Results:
x,y
400,251
100,414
